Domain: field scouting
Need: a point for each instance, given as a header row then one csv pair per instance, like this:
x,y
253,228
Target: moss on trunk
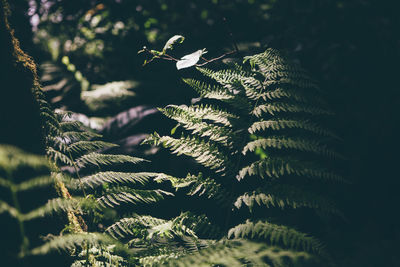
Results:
x,y
19,111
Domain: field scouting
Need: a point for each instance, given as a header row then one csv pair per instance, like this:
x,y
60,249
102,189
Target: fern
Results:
x,y
35,172
242,253
276,235
279,102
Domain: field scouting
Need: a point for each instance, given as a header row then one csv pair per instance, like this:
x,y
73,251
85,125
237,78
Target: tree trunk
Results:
x,y
20,122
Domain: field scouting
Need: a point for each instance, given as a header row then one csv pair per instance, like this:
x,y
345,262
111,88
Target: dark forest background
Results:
x,y
88,64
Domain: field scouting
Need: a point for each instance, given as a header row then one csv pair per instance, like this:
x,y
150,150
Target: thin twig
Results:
x,y
215,59
171,58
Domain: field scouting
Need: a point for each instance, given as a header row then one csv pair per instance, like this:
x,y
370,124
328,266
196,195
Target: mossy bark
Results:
x,y
20,121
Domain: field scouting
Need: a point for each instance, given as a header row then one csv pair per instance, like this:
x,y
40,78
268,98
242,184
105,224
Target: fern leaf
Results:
x,y
82,147
34,183
204,153
279,142
74,136
72,241
289,124
216,133
12,158
66,126
98,159
132,196
277,167
209,91
53,206
284,196
207,112
111,177
227,76
236,253
274,108
277,235
57,156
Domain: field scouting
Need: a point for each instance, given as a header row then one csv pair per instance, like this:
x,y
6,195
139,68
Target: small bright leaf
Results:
x,y
173,40
190,60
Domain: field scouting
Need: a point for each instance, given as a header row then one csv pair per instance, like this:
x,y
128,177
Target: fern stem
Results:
x,y
237,167
77,173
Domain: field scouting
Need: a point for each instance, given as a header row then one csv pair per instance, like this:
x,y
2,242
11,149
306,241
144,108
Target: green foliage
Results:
x,y
20,173
273,108
222,135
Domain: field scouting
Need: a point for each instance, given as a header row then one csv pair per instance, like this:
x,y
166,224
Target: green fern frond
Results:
x,y
66,126
226,76
280,142
98,160
205,153
199,225
71,242
273,108
111,177
282,124
209,91
103,256
133,226
216,133
207,112
57,156
241,253
277,235
74,136
82,147
275,167
132,196
283,196
41,181
54,206
12,158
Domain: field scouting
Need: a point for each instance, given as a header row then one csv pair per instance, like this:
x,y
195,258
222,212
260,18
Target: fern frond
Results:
x,y
111,177
82,147
132,196
34,183
98,159
283,196
100,256
12,158
207,112
209,91
280,142
226,76
282,124
238,253
277,235
205,153
129,227
195,225
274,108
67,126
277,167
53,206
74,136
72,242
57,156
216,133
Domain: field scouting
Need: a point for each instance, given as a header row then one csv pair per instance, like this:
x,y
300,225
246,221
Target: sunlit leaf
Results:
x,y
190,60
173,40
